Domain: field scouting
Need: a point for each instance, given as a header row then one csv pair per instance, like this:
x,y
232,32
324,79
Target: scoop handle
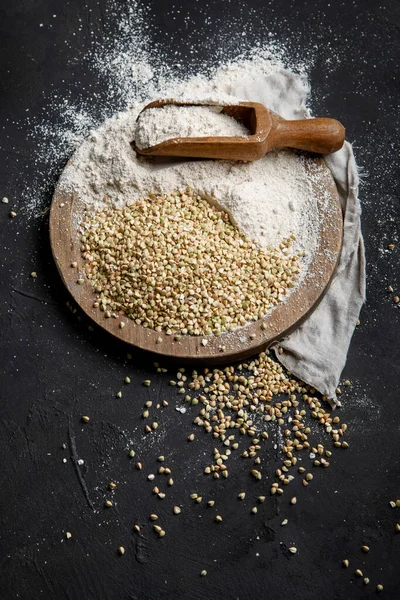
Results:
x,y
322,136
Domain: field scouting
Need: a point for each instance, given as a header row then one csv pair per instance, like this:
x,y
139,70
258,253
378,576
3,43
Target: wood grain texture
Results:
x,y
268,131
238,344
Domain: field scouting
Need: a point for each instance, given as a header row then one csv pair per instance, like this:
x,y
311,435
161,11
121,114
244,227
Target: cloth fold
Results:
x,y
316,351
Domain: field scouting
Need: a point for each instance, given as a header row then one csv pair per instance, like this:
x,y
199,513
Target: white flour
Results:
x,y
268,199
127,67
156,125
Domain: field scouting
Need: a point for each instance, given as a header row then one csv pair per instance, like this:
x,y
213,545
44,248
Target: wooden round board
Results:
x,y
235,345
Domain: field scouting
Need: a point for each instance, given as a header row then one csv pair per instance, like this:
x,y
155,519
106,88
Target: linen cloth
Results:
x,y
316,351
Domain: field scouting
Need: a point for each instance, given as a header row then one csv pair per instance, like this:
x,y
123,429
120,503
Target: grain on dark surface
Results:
x,y
54,370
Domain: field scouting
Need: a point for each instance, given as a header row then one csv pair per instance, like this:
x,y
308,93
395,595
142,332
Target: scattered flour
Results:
x,y
156,125
268,199
127,65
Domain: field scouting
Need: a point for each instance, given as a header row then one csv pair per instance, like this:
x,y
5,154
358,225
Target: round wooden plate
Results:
x,y
235,345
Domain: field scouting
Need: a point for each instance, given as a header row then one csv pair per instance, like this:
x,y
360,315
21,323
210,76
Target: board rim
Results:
x,y
241,343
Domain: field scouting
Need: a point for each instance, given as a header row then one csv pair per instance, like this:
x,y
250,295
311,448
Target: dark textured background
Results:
x,y
53,369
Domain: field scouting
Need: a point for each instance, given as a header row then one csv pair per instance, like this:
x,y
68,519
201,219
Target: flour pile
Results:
x,y
268,200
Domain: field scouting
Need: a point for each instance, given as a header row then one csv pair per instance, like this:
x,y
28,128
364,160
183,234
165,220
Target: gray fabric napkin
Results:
x,y
316,351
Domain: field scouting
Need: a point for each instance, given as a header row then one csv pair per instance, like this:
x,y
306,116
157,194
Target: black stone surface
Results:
x,y
53,369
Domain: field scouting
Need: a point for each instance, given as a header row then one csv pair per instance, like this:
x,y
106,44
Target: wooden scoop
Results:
x,y
268,131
